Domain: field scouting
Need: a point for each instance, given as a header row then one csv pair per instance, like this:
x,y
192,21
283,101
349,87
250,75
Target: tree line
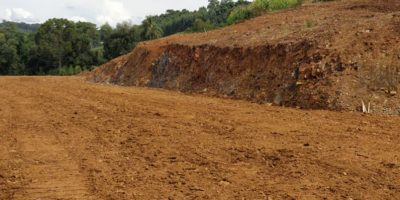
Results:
x,y
63,47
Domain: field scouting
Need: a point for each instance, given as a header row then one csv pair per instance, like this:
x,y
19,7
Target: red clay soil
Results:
x,y
93,141
329,55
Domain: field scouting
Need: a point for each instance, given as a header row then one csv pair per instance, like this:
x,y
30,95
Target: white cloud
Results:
x,y
18,15
21,13
95,11
8,14
77,19
112,11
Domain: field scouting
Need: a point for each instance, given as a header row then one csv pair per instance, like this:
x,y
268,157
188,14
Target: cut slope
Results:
x,y
324,55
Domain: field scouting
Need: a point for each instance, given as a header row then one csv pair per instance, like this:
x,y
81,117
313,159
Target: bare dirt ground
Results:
x,y
63,138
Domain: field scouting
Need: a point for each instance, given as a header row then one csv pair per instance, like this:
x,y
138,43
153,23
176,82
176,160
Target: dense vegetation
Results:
x,y
22,27
59,46
63,47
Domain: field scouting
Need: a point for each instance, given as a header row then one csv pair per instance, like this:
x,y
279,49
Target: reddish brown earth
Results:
x,y
64,138
320,55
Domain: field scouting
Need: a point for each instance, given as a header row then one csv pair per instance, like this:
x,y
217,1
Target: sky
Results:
x,y
95,11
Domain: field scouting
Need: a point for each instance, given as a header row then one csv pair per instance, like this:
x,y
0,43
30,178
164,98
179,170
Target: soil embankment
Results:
x,y
321,55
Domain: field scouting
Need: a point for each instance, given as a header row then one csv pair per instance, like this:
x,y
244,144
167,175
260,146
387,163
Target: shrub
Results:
x,y
200,25
77,70
283,4
66,71
259,7
239,14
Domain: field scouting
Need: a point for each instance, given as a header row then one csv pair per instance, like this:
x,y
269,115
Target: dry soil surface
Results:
x,y
64,138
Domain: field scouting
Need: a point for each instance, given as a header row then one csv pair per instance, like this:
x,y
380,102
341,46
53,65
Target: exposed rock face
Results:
x,y
351,55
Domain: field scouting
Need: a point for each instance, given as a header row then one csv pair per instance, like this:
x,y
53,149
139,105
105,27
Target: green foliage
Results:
x,y
283,4
259,7
21,27
151,30
60,42
200,25
120,40
98,56
239,14
11,46
66,71
105,32
219,11
57,43
54,40
174,21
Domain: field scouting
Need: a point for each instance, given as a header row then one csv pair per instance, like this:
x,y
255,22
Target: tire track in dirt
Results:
x,y
48,171
9,163
135,143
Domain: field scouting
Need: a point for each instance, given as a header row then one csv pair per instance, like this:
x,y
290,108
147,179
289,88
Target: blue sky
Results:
x,y
96,11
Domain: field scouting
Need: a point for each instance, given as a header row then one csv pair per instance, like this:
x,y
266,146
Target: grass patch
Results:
x,y
259,7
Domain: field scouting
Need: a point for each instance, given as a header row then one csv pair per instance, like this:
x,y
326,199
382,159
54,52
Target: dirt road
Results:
x,y
63,138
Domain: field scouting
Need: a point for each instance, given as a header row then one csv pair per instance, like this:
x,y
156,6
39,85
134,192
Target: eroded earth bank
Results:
x,y
321,56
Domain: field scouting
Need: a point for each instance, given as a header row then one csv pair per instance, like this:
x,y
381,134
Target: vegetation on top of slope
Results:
x,y
259,7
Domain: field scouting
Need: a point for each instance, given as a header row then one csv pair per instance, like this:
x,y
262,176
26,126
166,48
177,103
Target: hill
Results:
x,y
23,27
321,56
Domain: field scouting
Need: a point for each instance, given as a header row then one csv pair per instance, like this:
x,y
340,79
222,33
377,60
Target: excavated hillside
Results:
x,y
317,56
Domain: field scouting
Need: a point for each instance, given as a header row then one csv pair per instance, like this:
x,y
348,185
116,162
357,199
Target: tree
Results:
x,y
8,55
151,30
21,27
121,40
105,32
86,39
239,14
63,44
54,41
218,11
212,5
10,41
201,26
